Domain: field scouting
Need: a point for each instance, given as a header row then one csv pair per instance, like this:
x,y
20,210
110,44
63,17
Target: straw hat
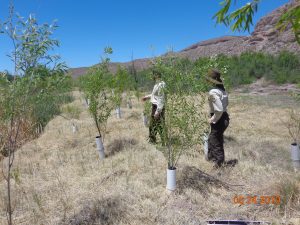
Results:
x,y
214,76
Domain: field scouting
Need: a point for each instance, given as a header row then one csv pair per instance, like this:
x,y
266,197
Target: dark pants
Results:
x,y
157,125
216,140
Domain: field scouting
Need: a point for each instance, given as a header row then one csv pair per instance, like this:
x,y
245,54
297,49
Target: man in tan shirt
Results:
x,y
157,98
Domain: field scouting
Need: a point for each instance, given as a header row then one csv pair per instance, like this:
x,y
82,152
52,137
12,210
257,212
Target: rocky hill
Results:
x,y
265,37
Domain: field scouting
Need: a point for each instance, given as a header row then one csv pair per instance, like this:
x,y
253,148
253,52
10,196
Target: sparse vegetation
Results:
x,y
135,174
293,126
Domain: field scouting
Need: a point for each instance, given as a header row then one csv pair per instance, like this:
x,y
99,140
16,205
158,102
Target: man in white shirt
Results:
x,y
219,121
157,98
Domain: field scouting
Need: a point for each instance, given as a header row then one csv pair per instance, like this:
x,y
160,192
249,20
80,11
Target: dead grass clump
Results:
x,y
4,152
135,116
193,178
72,143
24,131
289,191
103,211
112,176
118,145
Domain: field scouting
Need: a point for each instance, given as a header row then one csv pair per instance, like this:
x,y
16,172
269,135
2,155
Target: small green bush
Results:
x,y
72,112
184,123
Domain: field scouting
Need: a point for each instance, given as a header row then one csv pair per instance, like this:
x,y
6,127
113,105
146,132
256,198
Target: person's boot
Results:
x,y
217,166
230,163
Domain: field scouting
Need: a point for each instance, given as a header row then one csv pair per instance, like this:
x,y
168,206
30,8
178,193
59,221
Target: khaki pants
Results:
x,y
216,140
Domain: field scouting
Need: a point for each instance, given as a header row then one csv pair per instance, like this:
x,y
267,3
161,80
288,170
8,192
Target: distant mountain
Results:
x,y
264,38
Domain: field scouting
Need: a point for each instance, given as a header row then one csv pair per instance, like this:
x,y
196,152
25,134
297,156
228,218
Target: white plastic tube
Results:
x,y
74,128
86,102
100,147
171,179
295,152
129,104
295,155
144,119
118,112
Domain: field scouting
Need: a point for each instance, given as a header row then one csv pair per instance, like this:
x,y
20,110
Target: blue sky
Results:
x,y
141,28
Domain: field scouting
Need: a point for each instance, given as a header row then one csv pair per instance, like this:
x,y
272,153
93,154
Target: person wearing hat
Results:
x,y
219,118
157,98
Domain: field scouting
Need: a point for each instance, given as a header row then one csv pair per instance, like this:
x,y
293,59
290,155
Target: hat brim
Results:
x,y
213,80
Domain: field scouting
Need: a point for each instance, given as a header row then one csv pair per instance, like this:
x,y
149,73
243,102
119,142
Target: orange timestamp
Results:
x,y
256,199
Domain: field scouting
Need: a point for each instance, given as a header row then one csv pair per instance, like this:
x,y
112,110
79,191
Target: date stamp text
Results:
x,y
256,199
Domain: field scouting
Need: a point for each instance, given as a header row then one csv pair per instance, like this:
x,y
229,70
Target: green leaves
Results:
x,y
34,97
184,119
97,86
108,50
291,17
221,15
32,43
240,19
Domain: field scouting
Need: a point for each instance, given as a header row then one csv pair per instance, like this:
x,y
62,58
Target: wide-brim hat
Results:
x,y
214,76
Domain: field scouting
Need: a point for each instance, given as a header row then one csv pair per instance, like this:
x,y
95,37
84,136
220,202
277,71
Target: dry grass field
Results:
x,y
59,179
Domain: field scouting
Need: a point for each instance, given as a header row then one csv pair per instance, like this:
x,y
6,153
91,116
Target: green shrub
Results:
x,y
184,123
97,86
249,66
72,112
47,93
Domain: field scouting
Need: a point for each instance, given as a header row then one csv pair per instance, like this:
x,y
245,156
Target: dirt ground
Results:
x,y
264,87
59,178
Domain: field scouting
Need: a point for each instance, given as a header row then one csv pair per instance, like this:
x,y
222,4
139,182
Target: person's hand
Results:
x,y
156,115
145,98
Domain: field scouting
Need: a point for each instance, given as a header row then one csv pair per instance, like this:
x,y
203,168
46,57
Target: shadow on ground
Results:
x,y
274,155
262,152
119,145
192,177
105,211
229,139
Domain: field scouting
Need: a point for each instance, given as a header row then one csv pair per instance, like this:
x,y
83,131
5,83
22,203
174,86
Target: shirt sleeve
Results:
x,y
216,102
160,97
217,106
